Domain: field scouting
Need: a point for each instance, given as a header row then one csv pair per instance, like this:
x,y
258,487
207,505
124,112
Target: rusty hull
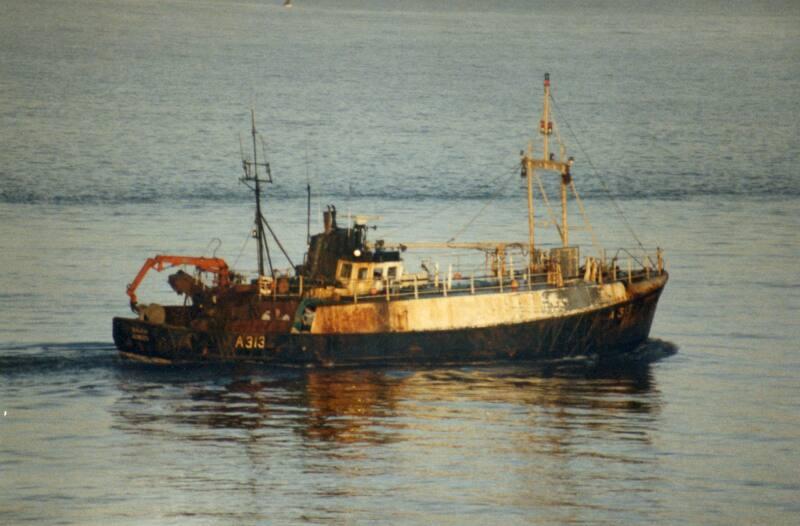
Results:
x,y
593,321
466,311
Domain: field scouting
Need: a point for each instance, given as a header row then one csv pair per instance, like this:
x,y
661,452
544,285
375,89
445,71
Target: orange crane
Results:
x,y
216,266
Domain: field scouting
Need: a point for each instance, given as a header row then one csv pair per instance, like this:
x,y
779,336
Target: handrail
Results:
x,y
457,283
633,256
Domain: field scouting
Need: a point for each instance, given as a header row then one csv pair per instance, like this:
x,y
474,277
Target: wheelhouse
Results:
x,y
367,277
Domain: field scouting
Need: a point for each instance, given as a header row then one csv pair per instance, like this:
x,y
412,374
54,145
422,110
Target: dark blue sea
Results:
x,y
120,130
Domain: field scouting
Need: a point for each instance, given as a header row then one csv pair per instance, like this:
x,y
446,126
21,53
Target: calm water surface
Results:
x,y
119,126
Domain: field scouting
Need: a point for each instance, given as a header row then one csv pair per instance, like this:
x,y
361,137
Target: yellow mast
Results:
x,y
529,176
547,162
545,125
546,129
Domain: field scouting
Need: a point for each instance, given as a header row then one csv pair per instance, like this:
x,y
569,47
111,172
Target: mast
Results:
x,y
546,129
251,175
546,125
546,162
259,222
531,226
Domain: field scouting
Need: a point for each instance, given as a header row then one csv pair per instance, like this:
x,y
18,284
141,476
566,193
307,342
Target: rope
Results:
x,y
602,181
246,239
585,217
549,208
578,199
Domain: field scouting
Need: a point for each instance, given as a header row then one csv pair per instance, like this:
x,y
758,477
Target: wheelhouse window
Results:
x,y
362,273
347,269
391,272
377,273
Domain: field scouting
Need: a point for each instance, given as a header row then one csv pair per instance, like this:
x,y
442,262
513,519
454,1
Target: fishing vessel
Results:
x,y
353,301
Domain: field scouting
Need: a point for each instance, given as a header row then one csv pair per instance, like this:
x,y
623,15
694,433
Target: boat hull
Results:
x,y
603,331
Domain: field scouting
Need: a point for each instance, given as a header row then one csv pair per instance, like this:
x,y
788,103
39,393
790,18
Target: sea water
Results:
x,y
120,132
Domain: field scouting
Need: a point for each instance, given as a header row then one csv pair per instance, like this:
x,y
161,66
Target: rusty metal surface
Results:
x,y
605,331
642,287
465,310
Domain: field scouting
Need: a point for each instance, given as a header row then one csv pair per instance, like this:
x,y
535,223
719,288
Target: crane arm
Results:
x,y
216,266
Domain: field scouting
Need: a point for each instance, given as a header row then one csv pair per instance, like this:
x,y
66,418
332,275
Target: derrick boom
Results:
x,y
216,266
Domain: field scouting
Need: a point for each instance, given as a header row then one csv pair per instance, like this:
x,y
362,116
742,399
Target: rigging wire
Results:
x,y
578,200
549,208
597,175
275,237
514,172
584,215
244,245
439,211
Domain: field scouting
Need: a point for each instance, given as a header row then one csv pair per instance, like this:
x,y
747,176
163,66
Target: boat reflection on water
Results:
x,y
379,406
351,406
396,445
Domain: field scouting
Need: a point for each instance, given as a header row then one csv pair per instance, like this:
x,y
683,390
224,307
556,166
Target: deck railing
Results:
x,y
636,267
627,265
